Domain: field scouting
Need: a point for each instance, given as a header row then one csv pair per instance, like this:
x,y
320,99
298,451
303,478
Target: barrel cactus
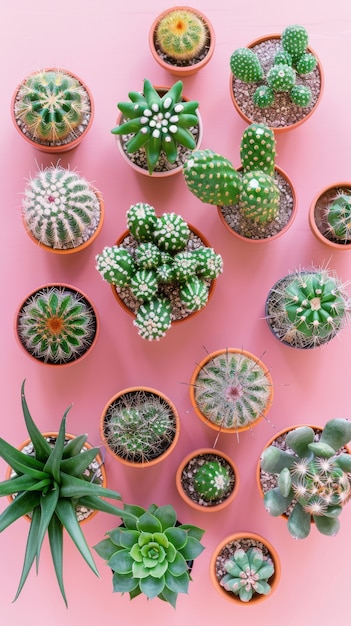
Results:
x,y
181,34
212,481
248,573
194,293
153,318
212,178
116,265
338,217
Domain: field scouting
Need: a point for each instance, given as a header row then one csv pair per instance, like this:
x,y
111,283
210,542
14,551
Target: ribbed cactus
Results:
x,y
212,481
338,216
281,77
312,477
245,65
158,123
60,208
306,63
248,573
212,178
144,285
51,105
209,262
181,34
263,97
258,149
56,325
294,40
148,255
116,265
141,221
194,293
153,319
184,266
259,198
171,232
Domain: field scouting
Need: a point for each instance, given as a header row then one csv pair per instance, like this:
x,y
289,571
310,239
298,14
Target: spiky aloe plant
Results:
x,y
51,106
150,553
213,481
312,477
248,573
181,34
60,208
56,324
232,389
49,484
159,124
338,217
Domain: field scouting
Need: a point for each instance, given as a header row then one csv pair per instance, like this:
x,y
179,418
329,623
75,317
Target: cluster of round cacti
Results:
x,y
160,258
181,34
212,481
293,59
51,106
213,179
248,573
60,208
139,426
158,123
338,217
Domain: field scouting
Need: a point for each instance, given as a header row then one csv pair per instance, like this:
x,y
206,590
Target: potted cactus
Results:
x,y
53,110
245,568
162,270
140,426
277,79
330,216
207,480
56,325
151,553
182,40
307,308
157,129
56,481
304,475
61,211
257,202
231,390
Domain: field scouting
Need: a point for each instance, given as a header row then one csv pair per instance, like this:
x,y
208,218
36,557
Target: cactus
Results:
x,y
181,34
60,208
282,56
232,389
184,266
211,178
147,255
209,262
308,308
171,232
144,285
258,149
301,95
245,65
56,325
116,265
212,481
51,106
312,477
294,40
259,199
159,124
248,573
194,294
141,221
153,319
281,77
263,97
306,63
139,426
338,216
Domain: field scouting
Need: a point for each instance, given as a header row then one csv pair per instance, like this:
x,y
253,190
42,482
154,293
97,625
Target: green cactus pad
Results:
x,y
258,149
281,77
212,178
116,265
259,199
245,65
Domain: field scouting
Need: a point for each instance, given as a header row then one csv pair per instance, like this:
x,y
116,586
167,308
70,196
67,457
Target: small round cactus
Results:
x,y
259,199
306,63
194,293
245,65
301,95
263,97
153,319
60,208
144,285
141,221
211,178
338,216
181,34
212,481
281,77
184,266
116,265
148,255
282,56
209,262
294,40
248,573
258,149
171,232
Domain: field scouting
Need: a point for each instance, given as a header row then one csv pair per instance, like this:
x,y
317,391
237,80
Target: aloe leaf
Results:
x,y
41,446
67,516
74,446
31,549
47,506
23,503
20,462
55,532
72,487
16,484
96,504
76,465
52,465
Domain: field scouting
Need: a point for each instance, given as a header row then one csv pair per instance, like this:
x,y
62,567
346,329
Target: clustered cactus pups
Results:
x,y
181,34
158,261
248,573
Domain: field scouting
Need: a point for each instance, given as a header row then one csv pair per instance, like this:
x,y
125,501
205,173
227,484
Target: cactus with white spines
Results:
x,y
181,34
144,284
171,232
259,198
211,177
338,216
141,221
153,319
212,481
194,293
281,77
258,149
245,65
116,265
184,265
209,262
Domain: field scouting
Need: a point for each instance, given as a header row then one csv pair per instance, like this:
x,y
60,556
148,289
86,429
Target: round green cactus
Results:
x,y
147,255
184,265
248,573
211,178
144,285
281,77
259,199
153,319
194,293
116,265
258,149
294,40
338,215
301,95
306,63
263,97
141,221
181,34
245,65
209,262
282,56
212,481
171,232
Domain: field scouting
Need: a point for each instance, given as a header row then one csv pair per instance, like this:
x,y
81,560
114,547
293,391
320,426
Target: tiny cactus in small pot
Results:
x,y
61,211
330,216
53,110
308,308
158,128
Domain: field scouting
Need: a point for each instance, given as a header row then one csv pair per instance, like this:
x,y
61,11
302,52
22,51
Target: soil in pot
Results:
x,y
318,217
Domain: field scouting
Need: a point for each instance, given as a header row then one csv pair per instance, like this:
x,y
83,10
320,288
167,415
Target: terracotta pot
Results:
x,y
87,446
166,452
82,246
184,68
266,546
83,297
174,169
207,507
316,217
263,117
62,147
277,234
203,417
176,321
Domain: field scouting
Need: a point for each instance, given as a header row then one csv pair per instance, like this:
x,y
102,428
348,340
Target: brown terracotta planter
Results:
x,y
278,233
212,454
261,115
182,68
316,215
204,418
227,544
83,246
124,396
87,446
63,147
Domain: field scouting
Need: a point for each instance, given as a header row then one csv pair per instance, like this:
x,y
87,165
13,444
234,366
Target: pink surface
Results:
x,y
106,43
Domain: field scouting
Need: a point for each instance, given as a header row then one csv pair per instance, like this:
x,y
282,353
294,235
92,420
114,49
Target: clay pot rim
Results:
x,y
184,70
311,216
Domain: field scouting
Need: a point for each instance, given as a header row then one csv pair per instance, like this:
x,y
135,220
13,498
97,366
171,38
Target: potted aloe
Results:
x,y
53,110
162,270
157,129
182,40
330,216
55,480
151,553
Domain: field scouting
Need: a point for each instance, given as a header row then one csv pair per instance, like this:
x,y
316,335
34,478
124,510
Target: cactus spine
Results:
x,y
181,34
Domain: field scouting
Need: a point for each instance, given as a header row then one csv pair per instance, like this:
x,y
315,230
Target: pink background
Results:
x,y
106,43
